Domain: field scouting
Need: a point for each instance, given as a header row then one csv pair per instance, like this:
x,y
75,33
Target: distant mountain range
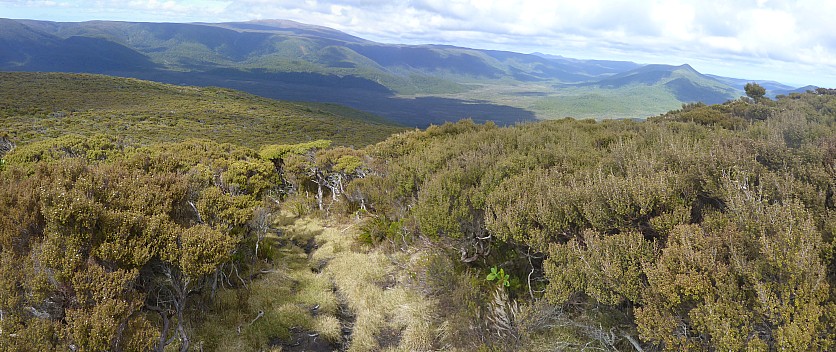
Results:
x,y
772,88
414,85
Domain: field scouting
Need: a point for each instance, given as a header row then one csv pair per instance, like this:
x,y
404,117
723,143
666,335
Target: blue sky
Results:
x,y
788,41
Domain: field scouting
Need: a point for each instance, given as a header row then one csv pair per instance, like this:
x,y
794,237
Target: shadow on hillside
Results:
x,y
355,92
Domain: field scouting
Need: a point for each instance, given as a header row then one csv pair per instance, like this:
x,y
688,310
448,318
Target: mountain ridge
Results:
x,y
291,60
686,83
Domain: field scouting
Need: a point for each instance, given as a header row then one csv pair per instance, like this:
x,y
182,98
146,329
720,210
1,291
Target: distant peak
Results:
x,y
279,22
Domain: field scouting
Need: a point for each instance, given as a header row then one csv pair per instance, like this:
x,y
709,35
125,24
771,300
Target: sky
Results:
x,y
793,42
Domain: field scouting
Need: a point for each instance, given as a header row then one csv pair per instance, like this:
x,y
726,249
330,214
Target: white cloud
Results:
x,y
675,20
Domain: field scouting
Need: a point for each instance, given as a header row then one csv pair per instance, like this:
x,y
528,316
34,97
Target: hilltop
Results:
x,y
619,235
36,106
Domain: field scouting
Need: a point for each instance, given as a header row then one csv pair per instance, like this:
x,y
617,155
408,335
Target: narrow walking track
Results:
x,y
374,310
317,289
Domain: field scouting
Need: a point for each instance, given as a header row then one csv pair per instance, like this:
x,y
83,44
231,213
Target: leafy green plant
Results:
x,y
499,276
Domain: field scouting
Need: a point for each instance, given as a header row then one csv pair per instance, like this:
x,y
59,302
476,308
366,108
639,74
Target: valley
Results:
x,y
412,85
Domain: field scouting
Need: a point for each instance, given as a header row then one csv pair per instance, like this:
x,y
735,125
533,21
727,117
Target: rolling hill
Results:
x,y
37,106
414,85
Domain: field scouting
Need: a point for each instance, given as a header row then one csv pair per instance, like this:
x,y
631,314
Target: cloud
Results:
x,y
764,28
766,34
123,10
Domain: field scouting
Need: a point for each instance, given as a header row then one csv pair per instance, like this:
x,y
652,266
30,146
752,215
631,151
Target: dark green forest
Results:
x,y
710,227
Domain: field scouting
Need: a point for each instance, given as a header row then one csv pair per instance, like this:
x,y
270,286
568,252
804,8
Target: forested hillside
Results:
x,y
415,85
706,228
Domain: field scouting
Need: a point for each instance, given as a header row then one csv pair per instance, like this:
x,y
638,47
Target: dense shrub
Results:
x,y
103,245
710,227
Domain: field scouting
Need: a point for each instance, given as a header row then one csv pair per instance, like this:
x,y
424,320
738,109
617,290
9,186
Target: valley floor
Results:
x,y
554,101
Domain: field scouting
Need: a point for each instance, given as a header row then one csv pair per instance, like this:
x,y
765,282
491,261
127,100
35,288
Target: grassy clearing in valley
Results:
x,y
549,101
637,101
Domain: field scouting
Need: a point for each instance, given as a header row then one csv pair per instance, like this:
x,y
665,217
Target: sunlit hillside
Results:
x,y
36,106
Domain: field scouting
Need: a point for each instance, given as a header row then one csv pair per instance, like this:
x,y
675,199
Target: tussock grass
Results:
x,y
316,290
369,284
246,319
283,298
329,327
332,242
311,291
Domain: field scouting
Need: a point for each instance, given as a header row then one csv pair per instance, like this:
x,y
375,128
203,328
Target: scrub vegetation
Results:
x,y
37,106
710,227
